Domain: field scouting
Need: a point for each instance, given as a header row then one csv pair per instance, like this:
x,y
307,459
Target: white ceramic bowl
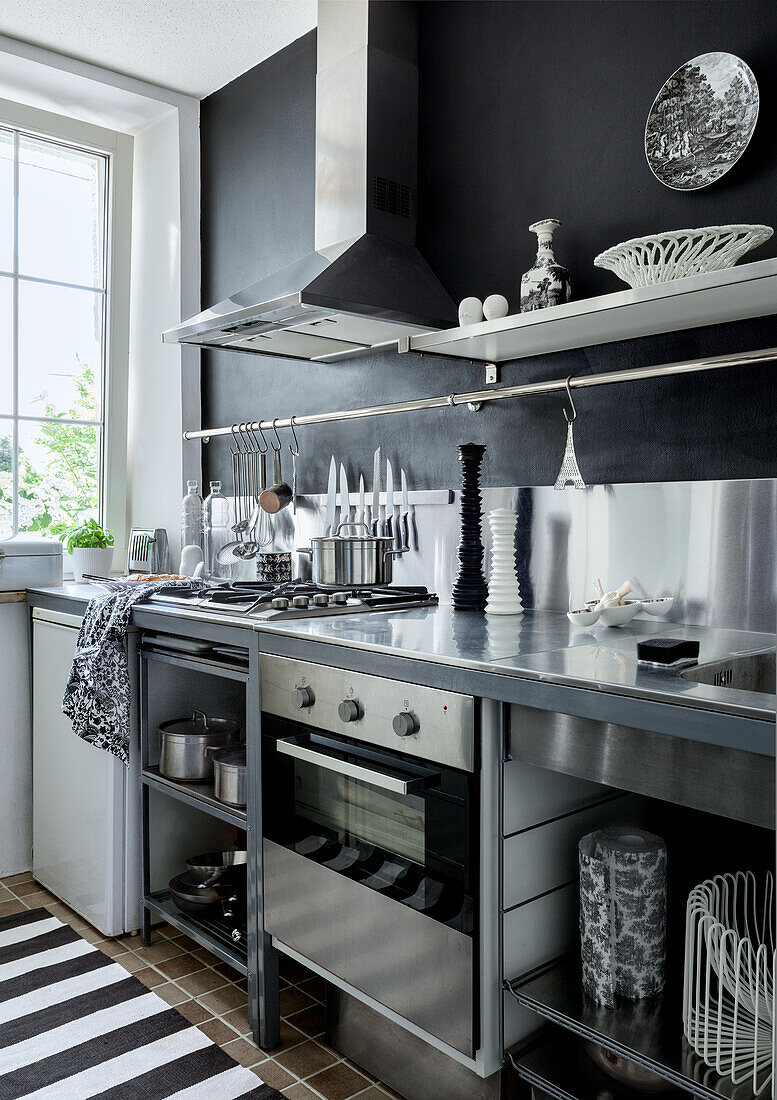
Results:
x,y
581,620
658,607
619,615
645,261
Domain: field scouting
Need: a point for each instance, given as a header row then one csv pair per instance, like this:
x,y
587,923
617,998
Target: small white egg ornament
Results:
x,y
495,306
470,311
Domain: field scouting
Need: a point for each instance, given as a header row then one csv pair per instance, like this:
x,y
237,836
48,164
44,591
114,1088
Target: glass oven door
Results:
x,y
395,826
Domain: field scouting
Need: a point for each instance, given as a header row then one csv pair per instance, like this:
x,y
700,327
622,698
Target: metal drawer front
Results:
x,y
718,780
445,719
415,966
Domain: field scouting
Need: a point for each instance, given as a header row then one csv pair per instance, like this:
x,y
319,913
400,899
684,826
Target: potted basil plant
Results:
x,y
92,550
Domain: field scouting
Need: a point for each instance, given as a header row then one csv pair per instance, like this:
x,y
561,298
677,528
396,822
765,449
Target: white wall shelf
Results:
x,y
709,299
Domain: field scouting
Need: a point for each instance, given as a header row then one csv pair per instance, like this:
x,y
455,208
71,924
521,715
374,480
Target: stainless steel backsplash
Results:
x,y
710,544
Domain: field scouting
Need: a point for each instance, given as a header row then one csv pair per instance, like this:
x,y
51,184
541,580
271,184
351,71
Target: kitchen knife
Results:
x,y
345,497
388,530
331,498
404,514
375,509
361,516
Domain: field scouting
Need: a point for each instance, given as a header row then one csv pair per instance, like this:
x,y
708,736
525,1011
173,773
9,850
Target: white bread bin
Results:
x,y
29,561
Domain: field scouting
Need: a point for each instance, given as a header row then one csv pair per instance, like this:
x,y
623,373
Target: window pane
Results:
x,y
61,213
58,476
6,200
6,345
6,479
60,344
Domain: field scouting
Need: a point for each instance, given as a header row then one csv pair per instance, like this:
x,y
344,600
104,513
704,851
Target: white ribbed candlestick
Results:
x,y
504,592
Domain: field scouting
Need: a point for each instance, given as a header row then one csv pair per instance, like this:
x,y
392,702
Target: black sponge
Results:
x,y
667,651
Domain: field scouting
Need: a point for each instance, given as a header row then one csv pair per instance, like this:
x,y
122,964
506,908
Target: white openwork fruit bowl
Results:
x,y
645,261
728,996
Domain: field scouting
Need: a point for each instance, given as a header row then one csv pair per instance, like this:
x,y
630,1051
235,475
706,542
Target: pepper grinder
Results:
x,y
504,591
470,591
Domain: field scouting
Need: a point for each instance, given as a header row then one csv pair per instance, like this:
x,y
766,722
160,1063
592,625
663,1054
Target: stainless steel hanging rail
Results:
x,y
528,389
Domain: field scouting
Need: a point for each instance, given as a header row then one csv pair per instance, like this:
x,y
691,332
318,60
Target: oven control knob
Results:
x,y
320,599
280,603
303,697
350,710
405,724
300,601
340,597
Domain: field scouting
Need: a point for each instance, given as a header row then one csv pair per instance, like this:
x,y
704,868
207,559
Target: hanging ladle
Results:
x,y
230,551
279,494
259,531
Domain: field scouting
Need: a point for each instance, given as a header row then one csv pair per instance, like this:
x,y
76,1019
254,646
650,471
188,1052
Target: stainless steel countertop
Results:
x,y
540,645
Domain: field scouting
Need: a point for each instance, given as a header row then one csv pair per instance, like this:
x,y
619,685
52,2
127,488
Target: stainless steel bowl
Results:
x,y
214,867
626,1072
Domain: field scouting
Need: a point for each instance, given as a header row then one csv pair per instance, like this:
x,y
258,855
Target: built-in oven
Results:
x,y
370,848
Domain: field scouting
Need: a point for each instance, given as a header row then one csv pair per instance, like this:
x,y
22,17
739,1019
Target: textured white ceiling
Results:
x,y
191,46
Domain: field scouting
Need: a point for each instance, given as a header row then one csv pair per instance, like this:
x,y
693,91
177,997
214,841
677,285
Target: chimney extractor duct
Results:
x,y
366,284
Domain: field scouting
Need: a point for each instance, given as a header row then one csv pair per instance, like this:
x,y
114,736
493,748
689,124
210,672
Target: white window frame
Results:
x,y
118,148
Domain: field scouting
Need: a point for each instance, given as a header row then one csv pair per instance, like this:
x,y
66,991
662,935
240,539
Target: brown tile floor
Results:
x,y
213,997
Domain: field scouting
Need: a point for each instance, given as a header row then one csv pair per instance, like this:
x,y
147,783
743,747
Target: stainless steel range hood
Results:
x,y
366,284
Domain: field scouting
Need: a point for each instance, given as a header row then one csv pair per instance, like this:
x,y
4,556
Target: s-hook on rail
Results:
x,y
476,398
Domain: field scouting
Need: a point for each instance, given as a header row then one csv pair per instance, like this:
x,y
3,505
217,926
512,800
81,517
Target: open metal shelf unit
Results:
x,y
647,1032
198,795
204,932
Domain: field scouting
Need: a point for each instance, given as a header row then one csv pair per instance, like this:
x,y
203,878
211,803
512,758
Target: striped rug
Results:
x,y
74,1024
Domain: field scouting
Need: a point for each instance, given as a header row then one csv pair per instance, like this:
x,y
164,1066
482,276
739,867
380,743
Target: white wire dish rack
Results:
x,y
728,994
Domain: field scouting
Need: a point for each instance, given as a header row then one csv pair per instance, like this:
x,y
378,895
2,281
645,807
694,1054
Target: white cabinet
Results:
x,y
15,739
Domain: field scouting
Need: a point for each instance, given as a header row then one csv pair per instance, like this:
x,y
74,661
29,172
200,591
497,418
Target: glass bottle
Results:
x,y
216,531
191,516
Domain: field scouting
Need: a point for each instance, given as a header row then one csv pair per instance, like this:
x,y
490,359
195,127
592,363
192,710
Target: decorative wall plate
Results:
x,y
701,121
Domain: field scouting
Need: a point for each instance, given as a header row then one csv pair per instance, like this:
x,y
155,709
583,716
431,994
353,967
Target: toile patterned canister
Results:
x,y
273,567
622,913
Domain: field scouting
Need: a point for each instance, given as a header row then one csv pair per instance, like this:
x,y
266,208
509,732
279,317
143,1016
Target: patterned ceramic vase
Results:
x,y
546,283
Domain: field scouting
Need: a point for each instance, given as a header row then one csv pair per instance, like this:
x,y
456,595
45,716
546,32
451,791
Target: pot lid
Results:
x,y
200,725
349,536
233,758
29,546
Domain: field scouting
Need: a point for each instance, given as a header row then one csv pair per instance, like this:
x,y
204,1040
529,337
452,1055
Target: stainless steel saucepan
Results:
x,y
230,771
351,560
185,744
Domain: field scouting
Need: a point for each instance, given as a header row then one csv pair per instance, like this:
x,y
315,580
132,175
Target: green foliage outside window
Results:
x,y
59,477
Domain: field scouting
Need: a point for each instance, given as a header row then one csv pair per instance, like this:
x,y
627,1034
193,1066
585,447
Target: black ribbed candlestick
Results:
x,y
470,591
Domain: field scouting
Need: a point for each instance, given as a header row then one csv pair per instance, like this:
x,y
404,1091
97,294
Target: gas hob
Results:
x,y
293,599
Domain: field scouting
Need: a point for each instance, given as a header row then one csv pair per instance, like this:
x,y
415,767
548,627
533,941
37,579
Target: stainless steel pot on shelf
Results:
x,y
351,560
185,742
229,766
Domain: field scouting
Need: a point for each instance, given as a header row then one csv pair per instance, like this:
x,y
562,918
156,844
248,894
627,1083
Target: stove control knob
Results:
x,y
300,601
303,697
320,599
350,710
280,603
340,597
405,724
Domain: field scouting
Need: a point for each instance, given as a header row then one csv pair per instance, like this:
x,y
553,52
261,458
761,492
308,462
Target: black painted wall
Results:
x,y
527,110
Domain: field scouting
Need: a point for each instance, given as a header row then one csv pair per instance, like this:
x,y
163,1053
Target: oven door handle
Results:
x,y
408,778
